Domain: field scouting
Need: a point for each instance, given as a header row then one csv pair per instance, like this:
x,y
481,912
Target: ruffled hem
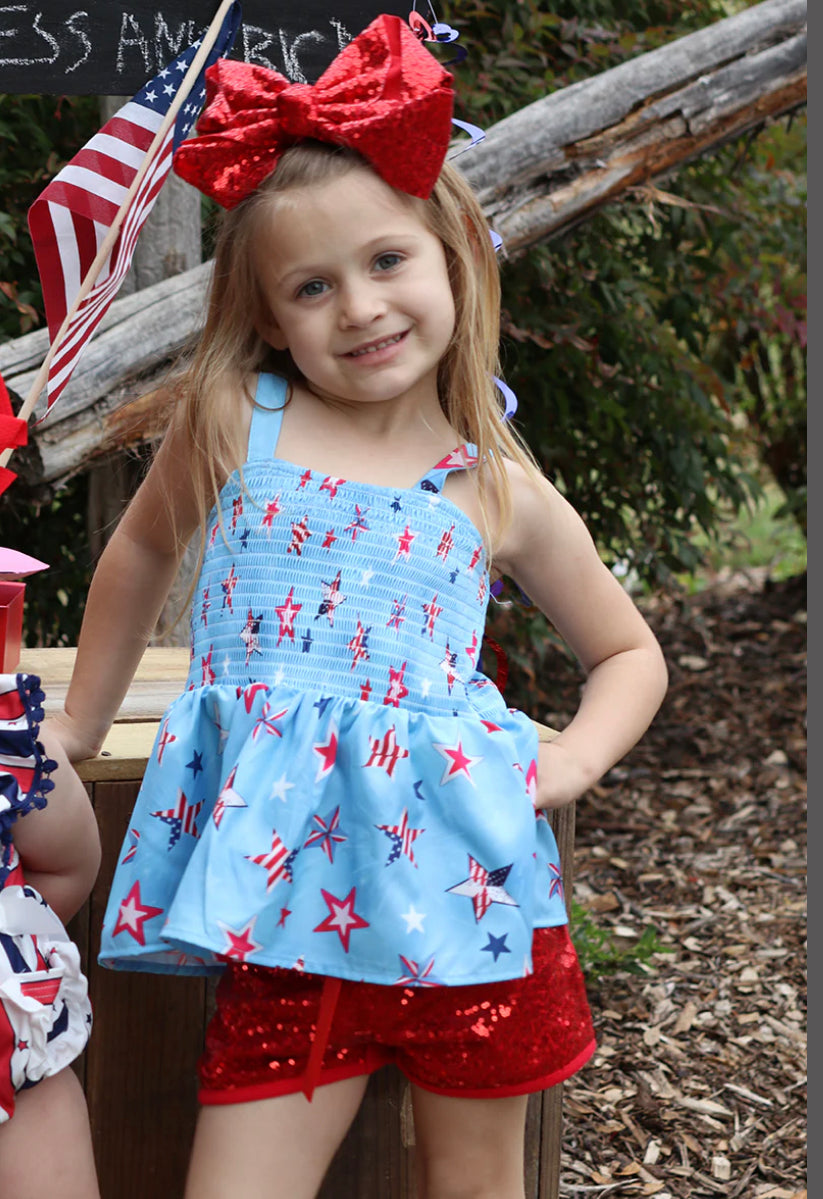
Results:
x,y
338,836
24,767
44,1003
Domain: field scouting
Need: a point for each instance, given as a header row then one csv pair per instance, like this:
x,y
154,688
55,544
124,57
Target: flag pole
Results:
x,y
209,38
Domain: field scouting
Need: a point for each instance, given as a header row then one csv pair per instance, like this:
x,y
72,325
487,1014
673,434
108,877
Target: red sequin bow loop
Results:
x,y
384,95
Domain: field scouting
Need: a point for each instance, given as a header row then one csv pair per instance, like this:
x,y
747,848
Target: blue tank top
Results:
x,y
338,789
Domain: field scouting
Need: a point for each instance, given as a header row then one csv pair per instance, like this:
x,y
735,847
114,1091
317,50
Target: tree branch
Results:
x,y
538,173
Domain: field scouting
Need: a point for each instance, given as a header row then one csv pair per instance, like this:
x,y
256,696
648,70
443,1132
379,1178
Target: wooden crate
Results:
x,y
139,1069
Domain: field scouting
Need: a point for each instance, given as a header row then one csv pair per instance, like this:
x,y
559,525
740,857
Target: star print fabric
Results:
x,y
339,789
45,1014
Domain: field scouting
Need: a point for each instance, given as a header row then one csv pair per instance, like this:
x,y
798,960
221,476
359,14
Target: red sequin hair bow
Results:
x,y
384,96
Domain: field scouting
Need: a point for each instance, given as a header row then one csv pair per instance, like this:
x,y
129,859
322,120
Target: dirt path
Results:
x,y
698,1085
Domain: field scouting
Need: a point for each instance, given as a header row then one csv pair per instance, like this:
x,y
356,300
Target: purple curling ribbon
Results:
x,y
508,395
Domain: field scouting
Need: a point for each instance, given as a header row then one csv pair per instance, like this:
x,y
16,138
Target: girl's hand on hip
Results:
x,y
561,777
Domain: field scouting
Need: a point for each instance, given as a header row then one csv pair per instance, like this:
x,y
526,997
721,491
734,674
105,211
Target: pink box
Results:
x,y
11,624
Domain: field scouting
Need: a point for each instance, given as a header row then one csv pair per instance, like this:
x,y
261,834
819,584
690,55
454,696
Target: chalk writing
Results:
x,y
109,49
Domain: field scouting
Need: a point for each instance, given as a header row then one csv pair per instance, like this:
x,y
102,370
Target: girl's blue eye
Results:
x,y
315,287
387,262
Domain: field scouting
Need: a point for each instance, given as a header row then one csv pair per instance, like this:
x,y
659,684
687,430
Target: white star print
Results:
x,y
366,577
414,920
279,789
425,687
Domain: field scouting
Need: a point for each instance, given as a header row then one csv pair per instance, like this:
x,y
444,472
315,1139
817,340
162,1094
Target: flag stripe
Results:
x,y
70,219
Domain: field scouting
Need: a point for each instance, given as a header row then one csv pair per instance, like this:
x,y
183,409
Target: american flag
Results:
x,y
182,818
277,861
70,219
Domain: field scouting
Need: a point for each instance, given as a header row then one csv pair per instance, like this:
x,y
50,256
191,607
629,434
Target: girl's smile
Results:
x,y
358,291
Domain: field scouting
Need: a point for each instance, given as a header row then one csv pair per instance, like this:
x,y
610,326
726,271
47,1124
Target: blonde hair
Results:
x,y
231,349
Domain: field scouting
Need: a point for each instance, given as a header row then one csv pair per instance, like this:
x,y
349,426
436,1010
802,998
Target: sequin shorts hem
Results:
x,y
495,1040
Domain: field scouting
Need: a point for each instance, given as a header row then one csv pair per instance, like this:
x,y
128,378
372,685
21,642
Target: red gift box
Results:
x,y
11,624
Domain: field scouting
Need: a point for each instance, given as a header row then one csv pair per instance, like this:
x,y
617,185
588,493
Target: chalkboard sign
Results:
x,y
111,48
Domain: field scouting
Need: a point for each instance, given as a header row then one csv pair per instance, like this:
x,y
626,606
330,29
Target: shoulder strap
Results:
x,y
464,457
267,415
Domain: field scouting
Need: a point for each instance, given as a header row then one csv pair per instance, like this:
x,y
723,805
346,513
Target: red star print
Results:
x,y
286,613
365,690
166,738
236,511
267,722
272,509
304,479
331,484
300,533
458,762
239,942
284,915
358,523
329,540
327,754
277,861
404,543
446,544
386,753
249,693
228,584
342,917
491,727
397,688
133,914
359,645
432,610
477,553
208,675
456,459
398,608
531,780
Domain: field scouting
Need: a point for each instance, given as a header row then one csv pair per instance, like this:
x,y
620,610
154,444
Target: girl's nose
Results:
x,y
361,303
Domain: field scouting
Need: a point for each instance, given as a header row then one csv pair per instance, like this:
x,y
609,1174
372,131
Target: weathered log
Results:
x,y
539,172
545,168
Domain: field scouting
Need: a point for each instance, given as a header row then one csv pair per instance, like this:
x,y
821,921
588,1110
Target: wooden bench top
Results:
x,y
159,680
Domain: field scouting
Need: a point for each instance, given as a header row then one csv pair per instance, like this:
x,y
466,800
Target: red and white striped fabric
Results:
x,y
70,219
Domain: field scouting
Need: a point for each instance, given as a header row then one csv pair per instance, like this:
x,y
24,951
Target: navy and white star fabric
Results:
x,y
45,1014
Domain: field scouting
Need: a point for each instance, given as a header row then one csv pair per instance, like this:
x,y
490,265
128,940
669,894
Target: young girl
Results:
x,y
49,857
339,813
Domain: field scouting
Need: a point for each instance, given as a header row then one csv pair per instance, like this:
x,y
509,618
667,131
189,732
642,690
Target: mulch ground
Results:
x,y
698,1086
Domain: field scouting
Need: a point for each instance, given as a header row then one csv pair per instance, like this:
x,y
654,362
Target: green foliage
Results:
x,y
39,134
618,338
599,953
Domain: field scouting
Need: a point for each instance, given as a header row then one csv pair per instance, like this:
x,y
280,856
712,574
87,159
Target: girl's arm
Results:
x,y
549,552
130,585
59,845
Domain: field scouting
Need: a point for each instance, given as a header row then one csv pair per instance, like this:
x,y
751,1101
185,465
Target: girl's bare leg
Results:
x,y
45,1148
272,1148
469,1148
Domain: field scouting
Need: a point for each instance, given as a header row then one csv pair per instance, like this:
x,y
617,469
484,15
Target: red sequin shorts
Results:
x,y
279,1031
